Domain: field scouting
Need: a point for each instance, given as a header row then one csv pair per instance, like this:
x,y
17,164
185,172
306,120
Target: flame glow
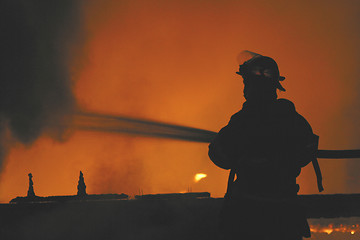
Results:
x,y
199,176
331,228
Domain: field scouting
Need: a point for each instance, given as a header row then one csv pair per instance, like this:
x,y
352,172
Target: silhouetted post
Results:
x,y
81,186
31,192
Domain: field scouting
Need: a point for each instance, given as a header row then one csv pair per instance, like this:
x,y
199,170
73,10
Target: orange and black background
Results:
x,y
173,61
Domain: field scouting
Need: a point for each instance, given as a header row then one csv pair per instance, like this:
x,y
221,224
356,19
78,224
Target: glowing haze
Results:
x,y
175,61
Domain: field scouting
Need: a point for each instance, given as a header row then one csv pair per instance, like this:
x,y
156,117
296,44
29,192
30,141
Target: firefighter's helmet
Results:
x,y
257,65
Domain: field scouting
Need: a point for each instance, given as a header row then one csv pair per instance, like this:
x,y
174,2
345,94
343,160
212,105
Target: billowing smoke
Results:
x,y
38,38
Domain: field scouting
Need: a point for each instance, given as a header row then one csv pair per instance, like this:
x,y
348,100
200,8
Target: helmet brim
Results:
x,y
278,84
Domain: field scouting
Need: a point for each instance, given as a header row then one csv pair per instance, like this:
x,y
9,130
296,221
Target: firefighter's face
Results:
x,y
258,87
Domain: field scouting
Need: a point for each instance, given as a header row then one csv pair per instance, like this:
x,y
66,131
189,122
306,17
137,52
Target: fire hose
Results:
x,y
121,124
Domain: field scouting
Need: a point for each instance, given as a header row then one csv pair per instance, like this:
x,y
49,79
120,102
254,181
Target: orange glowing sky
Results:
x,y
175,61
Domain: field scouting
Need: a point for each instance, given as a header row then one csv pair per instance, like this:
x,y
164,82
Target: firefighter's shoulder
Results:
x,y
285,104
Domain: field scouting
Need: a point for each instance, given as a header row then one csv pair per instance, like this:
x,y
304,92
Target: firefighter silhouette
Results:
x,y
265,145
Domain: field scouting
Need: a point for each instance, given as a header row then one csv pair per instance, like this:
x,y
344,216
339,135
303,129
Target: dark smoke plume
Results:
x,y
38,39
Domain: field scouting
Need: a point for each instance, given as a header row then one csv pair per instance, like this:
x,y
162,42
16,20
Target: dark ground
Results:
x,y
139,219
121,219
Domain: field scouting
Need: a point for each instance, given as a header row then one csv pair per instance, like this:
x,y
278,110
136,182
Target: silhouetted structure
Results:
x,y
265,144
70,198
81,195
30,193
174,196
81,186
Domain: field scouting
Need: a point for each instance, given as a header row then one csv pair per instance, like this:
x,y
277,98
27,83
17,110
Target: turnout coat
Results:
x,y
266,145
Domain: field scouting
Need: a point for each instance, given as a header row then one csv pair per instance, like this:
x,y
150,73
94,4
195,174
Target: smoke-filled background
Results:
x,y
172,61
37,47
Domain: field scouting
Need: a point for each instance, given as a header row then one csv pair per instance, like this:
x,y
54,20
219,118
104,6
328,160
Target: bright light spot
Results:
x,y
352,232
199,176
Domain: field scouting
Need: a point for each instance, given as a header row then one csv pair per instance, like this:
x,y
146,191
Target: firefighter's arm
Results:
x,y
219,157
309,151
226,146
219,148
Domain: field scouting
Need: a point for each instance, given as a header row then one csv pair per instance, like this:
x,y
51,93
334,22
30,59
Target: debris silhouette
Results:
x,y
31,193
81,186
